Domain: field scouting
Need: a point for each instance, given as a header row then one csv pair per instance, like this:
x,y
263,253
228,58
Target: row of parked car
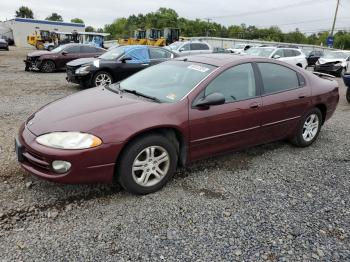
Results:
x,y
91,66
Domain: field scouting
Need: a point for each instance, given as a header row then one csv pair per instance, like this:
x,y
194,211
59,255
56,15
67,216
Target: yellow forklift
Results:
x,y
39,38
152,36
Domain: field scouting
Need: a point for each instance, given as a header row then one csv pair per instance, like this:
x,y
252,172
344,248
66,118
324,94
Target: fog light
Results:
x,y
60,166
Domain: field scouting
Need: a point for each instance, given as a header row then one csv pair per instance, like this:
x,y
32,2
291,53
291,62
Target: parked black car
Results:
x,y
313,56
115,65
4,44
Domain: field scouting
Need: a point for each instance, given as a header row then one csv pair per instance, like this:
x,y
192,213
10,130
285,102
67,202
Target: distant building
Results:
x,y
22,27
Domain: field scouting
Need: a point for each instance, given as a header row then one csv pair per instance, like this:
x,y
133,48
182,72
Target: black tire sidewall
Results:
x,y
299,135
348,94
93,84
128,156
48,61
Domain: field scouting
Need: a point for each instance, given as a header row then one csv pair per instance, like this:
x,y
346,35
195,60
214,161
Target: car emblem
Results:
x,y
30,123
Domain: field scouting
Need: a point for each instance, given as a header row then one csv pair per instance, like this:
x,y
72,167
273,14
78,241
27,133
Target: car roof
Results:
x,y
218,60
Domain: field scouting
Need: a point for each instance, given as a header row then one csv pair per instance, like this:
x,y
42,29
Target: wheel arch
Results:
x,y
170,132
43,60
323,108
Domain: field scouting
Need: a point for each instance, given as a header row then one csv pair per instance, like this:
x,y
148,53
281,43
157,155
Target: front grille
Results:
x,y
36,160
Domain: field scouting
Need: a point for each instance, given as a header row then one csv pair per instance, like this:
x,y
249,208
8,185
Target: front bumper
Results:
x,y
32,63
77,79
95,165
328,68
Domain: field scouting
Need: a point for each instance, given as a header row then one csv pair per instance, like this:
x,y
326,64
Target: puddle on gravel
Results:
x,y
207,193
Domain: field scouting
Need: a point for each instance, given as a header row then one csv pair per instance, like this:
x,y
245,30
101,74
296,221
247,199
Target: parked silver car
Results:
x,y
185,48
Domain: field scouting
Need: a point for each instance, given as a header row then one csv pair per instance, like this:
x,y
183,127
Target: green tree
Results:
x,y
77,20
54,17
24,12
89,29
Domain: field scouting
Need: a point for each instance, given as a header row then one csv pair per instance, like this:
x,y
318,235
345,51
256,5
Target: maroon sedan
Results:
x,y
50,61
139,130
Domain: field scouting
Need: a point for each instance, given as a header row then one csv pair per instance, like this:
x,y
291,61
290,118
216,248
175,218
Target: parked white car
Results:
x,y
291,56
239,48
184,48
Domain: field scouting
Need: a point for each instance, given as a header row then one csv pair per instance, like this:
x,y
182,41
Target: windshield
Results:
x,y
335,55
168,81
113,53
256,51
175,45
58,49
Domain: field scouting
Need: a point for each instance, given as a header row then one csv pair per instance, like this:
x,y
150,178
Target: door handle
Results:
x,y
301,96
145,64
254,105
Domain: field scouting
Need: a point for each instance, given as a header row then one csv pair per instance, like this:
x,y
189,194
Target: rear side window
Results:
x,y
288,53
236,83
88,49
199,46
157,53
73,49
277,78
296,52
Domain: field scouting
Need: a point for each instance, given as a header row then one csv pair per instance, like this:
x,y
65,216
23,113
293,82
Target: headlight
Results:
x,y
84,70
338,64
69,140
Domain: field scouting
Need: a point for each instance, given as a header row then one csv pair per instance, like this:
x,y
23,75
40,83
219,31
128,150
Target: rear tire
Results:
x,y
308,128
147,164
48,66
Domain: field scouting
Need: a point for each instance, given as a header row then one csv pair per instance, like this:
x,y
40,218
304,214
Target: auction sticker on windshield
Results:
x,y
198,68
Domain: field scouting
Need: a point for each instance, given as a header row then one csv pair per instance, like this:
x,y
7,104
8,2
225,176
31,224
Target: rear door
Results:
x,y
89,51
232,125
285,99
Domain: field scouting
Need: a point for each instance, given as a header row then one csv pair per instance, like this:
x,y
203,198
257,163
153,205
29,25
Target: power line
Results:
x,y
298,4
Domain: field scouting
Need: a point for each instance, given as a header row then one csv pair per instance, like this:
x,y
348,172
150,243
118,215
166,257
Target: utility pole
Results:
x,y
208,21
335,18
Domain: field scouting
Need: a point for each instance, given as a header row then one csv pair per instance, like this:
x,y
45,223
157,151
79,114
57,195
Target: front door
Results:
x,y
232,125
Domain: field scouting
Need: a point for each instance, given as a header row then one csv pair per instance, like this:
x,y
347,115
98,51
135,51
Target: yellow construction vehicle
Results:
x,y
152,36
39,38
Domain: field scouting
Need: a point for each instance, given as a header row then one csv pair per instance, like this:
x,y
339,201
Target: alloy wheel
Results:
x,y
310,127
103,80
150,166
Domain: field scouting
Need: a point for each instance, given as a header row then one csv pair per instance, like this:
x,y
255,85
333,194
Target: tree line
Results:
x,y
166,17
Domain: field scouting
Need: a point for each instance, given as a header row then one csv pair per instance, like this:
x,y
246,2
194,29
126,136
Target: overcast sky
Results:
x,y
308,16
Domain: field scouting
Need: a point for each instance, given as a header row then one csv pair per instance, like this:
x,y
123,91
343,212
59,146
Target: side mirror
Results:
x,y
126,59
276,57
64,53
181,49
212,99
311,55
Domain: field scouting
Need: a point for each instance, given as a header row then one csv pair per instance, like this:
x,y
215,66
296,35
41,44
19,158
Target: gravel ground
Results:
x,y
268,203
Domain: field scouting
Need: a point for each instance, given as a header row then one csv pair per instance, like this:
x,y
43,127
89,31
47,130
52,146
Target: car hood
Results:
x,y
81,61
88,111
39,53
331,60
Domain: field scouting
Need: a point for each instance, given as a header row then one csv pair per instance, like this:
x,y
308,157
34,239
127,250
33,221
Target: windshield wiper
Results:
x,y
141,94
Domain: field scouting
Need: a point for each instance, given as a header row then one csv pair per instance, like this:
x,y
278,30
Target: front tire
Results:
x,y
308,129
48,66
147,164
102,78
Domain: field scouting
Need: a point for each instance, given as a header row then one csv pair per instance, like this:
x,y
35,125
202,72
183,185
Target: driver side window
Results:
x,y
236,83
